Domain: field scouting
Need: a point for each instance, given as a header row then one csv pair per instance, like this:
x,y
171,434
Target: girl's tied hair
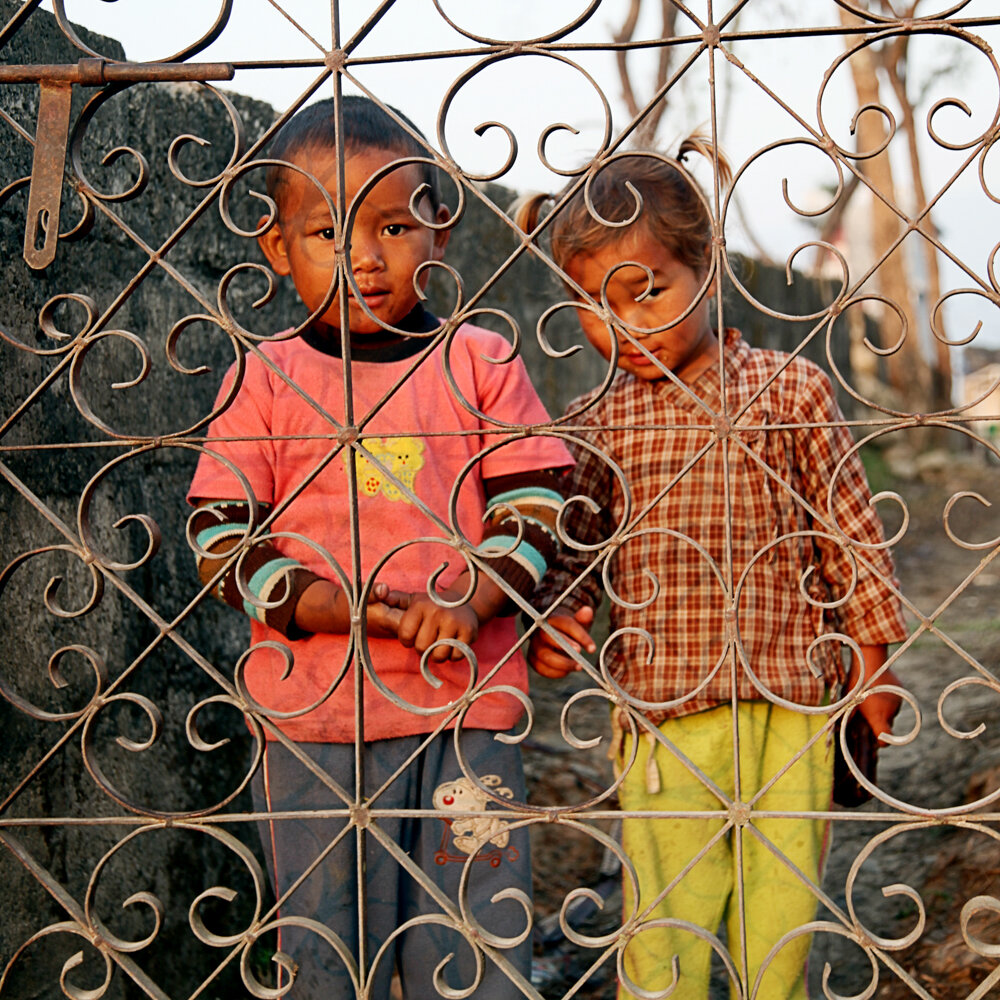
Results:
x,y
674,208
366,126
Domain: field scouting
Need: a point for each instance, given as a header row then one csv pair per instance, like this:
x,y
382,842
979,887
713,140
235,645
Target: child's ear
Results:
x,y
441,236
272,243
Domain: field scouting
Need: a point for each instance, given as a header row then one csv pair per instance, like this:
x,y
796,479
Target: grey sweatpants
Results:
x,y
437,848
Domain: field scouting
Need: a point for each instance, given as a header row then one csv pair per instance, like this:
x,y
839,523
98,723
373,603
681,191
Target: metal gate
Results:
x,y
134,859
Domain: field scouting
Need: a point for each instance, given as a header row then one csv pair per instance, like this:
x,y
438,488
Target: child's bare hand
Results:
x,y
394,598
548,657
424,623
880,709
385,611
325,607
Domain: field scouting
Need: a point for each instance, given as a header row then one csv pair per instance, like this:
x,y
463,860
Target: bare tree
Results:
x,y
893,57
645,132
873,67
908,372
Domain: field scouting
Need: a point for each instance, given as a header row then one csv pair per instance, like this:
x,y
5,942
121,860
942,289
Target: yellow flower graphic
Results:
x,y
403,455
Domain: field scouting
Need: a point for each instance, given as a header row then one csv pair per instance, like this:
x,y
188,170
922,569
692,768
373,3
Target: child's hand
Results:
x,y
880,709
424,623
385,611
548,657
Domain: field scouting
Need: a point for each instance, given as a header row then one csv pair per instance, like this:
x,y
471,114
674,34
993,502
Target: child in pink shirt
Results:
x,y
370,445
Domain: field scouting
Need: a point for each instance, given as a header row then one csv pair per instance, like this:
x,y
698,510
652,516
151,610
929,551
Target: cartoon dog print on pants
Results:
x,y
463,795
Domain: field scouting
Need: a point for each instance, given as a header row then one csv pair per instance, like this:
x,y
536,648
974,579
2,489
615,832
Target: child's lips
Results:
x,y
631,354
373,296
637,359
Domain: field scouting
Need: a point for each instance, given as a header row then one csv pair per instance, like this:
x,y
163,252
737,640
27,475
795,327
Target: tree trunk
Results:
x,y
908,372
645,133
895,67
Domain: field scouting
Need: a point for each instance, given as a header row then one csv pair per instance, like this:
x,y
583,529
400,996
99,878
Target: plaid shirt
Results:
x,y
731,540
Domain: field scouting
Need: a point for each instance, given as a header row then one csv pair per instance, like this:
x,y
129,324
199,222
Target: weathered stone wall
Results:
x,y
42,768
53,451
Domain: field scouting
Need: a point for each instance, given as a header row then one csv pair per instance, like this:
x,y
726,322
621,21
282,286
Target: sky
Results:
x,y
531,92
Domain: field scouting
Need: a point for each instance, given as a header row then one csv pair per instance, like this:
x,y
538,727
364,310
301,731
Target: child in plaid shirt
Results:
x,y
732,519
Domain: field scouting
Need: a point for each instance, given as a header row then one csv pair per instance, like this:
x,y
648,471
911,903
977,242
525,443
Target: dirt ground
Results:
x,y
945,866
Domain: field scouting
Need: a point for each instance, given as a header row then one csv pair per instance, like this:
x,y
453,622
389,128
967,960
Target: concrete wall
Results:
x,y
42,769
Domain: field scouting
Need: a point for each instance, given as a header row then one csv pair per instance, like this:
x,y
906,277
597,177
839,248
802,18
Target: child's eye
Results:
x,y
327,234
395,229
653,293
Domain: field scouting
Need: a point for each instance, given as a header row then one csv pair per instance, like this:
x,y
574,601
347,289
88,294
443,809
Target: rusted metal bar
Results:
x,y
41,231
98,72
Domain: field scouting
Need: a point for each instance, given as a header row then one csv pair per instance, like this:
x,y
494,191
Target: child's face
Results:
x,y
688,348
387,244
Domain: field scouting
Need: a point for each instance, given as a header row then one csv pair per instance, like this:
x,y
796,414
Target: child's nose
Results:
x,y
366,253
634,330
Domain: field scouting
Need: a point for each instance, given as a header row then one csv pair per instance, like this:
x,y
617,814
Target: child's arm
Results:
x,y
878,709
834,482
323,607
304,602
571,611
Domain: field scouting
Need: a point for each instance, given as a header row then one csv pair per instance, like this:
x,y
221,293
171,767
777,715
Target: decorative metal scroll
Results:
x,y
136,856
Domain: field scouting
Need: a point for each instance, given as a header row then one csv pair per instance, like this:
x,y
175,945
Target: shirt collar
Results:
x,y
326,339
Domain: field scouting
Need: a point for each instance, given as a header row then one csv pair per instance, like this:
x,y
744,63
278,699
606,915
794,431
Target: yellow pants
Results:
x,y
774,899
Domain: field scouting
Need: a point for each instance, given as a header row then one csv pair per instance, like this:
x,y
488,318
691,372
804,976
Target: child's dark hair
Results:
x,y
674,208
366,126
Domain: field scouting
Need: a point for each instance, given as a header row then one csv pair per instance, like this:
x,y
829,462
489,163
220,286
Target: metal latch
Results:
x,y
41,231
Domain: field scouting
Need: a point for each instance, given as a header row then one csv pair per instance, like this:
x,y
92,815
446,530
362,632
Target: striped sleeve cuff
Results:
x,y
270,576
524,507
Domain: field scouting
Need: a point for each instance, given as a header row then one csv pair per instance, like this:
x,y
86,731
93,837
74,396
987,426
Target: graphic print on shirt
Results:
x,y
403,456
472,832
